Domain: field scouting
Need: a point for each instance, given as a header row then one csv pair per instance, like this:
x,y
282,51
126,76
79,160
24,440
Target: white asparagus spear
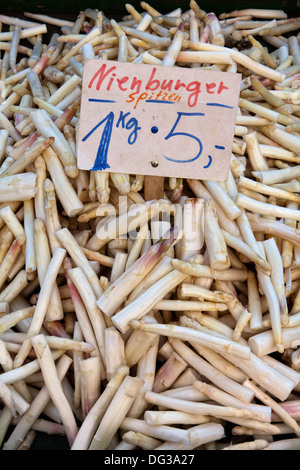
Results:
x,y
62,184
11,319
221,197
30,255
54,386
266,189
265,208
42,304
261,413
192,407
279,135
168,373
19,187
200,270
188,334
114,351
242,59
257,444
36,408
186,290
64,60
51,219
63,90
263,343
161,432
265,398
10,258
277,176
80,310
272,297
30,154
47,128
277,277
173,417
43,256
147,300
40,169
3,142
140,440
214,239
267,377
69,243
12,220
15,287
116,412
89,299
90,424
115,295
244,249
200,435
139,342
265,148
146,368
284,444
90,381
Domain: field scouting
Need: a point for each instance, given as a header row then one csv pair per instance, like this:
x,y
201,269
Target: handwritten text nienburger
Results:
x,y
106,79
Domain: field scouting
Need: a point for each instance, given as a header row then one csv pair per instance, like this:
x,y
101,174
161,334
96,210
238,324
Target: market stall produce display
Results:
x,y
131,323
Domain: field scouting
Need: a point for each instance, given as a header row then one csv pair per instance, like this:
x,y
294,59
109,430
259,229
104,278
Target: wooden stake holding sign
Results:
x,y
153,187
157,121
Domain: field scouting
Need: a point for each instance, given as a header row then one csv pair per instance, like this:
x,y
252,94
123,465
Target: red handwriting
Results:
x,y
162,96
106,78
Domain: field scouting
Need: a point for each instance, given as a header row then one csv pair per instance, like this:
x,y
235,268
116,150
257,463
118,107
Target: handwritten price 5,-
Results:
x,y
127,122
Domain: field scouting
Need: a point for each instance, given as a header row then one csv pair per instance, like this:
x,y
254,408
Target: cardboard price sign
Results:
x,y
156,120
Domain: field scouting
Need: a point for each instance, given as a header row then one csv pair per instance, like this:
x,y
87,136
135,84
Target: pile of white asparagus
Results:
x,y
165,324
